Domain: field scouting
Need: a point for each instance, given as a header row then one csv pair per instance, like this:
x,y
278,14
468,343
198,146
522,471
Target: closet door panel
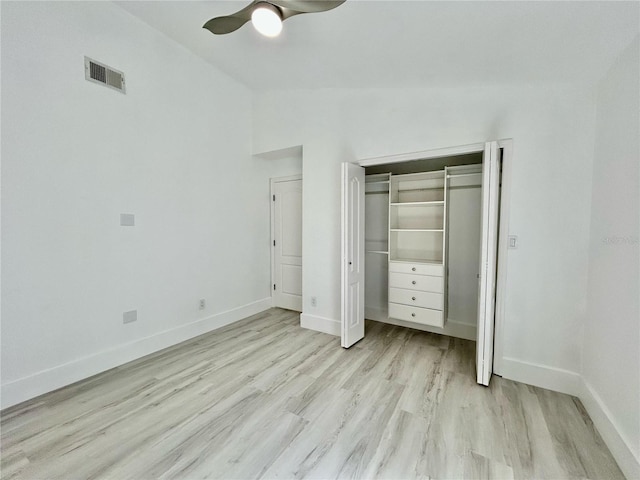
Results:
x,y
352,250
488,261
416,282
416,298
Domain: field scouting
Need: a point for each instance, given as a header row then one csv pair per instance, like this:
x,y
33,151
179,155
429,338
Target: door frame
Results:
x,y
272,227
503,234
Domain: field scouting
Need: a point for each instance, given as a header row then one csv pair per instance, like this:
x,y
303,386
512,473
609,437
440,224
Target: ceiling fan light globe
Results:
x,y
266,20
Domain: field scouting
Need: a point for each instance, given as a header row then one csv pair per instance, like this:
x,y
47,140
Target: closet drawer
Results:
x,y
417,268
423,283
416,298
425,316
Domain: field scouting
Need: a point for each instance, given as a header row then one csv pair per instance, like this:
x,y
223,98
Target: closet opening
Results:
x,y
422,249
409,223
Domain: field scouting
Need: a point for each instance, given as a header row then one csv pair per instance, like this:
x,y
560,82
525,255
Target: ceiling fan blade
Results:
x,y
230,23
288,8
307,6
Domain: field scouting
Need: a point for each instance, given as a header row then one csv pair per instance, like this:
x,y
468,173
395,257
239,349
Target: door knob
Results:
x,y
413,298
413,269
413,282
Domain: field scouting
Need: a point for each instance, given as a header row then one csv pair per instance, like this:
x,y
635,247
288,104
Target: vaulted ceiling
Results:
x,y
392,43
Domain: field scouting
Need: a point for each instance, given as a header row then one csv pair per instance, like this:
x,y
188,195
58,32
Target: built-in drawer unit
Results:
x,y
416,298
435,270
417,247
424,283
424,316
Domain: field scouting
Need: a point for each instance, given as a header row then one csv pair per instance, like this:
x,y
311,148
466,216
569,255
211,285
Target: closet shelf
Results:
x,y
414,204
417,260
377,251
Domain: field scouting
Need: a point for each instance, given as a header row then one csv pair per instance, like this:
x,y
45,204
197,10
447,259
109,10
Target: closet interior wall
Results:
x,y
462,241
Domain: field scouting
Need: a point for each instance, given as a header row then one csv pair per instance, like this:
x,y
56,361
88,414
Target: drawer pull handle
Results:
x,y
413,269
413,314
413,298
413,282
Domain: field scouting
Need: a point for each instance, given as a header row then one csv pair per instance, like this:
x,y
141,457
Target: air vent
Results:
x,y
100,73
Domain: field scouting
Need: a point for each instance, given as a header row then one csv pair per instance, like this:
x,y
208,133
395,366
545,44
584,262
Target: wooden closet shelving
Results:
x,y
417,242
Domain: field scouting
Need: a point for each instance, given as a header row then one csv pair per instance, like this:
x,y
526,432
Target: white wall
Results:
x,y
611,342
552,130
175,151
376,266
465,213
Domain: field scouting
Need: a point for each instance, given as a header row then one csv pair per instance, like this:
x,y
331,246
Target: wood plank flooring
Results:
x,y
264,398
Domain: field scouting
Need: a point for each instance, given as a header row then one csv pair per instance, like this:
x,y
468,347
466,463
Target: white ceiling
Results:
x,y
396,43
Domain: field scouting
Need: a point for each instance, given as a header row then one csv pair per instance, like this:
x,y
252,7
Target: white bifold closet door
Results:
x,y
352,264
488,262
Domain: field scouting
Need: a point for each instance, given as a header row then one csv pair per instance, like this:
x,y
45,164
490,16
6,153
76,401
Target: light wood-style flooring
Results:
x,y
264,398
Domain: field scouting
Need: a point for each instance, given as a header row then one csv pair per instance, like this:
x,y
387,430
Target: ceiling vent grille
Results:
x,y
100,73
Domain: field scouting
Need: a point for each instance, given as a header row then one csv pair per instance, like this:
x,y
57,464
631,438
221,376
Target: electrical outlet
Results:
x,y
202,304
314,302
128,317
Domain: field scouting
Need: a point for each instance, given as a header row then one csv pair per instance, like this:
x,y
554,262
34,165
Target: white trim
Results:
x,y
280,153
290,178
375,314
544,376
62,375
320,324
604,421
423,155
272,182
572,383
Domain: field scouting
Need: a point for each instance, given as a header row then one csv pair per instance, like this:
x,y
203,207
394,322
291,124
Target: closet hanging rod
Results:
x,y
451,175
376,182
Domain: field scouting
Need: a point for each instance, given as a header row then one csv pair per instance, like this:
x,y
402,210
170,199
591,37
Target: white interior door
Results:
x,y
287,244
488,261
352,268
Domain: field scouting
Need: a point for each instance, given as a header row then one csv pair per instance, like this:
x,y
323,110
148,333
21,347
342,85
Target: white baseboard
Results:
x,y
61,375
451,328
620,447
320,324
544,376
565,381
376,314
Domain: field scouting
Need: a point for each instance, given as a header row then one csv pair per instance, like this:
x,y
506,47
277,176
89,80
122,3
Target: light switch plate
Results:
x,y
127,220
513,242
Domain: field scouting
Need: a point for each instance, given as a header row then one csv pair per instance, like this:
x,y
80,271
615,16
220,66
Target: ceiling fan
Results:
x,y
267,16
